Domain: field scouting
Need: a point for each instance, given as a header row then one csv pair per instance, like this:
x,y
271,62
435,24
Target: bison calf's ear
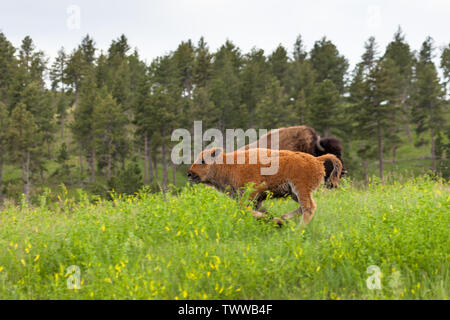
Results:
x,y
211,155
216,152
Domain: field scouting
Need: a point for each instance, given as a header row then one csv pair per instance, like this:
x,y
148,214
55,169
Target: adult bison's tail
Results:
x,y
337,168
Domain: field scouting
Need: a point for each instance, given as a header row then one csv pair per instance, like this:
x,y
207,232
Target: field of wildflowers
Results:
x,y
200,244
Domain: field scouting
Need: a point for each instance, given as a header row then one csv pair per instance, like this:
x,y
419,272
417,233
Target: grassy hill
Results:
x,y
200,244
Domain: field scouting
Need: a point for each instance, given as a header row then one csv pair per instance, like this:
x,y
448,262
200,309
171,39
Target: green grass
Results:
x,y
200,244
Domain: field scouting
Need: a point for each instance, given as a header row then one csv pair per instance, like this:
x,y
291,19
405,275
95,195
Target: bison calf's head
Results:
x,y
331,146
200,171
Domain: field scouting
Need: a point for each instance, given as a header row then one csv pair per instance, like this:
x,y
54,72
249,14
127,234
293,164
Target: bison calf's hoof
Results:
x,y
279,222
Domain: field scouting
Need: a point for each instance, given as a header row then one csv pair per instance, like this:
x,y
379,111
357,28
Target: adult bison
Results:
x,y
303,139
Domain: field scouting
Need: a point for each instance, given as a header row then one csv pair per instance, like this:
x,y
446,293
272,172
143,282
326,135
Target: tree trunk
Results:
x,y
1,179
26,175
49,156
422,139
150,164
155,169
62,127
366,175
76,96
394,154
174,174
146,160
433,149
164,165
108,173
406,110
327,132
81,163
252,117
92,165
433,140
408,131
380,151
68,143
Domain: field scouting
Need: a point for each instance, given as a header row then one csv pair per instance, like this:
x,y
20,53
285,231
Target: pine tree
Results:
x,y
83,126
428,97
31,66
4,132
183,60
64,171
328,63
445,148
8,70
203,108
128,181
272,111
381,105
57,71
279,62
300,86
170,100
145,121
163,104
38,102
119,47
400,53
325,106
445,64
57,77
299,53
108,128
31,62
203,64
254,76
80,64
118,75
23,141
224,88
374,99
301,108
357,112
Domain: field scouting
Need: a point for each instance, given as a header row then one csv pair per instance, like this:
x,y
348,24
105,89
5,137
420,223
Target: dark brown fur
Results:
x,y
304,139
299,175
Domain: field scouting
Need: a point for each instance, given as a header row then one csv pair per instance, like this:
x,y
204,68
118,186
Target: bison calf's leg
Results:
x,y
307,204
309,207
292,214
260,215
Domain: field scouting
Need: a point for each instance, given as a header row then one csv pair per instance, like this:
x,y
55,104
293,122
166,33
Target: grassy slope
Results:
x,y
201,244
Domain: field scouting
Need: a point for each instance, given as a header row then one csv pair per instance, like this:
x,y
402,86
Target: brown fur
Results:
x,y
303,139
299,175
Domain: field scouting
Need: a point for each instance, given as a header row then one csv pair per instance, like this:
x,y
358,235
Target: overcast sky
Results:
x,y
156,27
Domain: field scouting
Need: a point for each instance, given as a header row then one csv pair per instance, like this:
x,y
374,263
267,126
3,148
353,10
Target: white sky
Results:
x,y
156,27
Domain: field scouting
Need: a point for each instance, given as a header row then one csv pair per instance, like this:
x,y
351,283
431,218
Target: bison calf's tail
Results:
x,y
337,168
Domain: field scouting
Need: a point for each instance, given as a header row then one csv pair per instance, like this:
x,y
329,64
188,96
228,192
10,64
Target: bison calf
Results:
x,y
299,175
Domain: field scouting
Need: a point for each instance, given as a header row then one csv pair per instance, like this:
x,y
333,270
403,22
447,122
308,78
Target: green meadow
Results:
x,y
197,243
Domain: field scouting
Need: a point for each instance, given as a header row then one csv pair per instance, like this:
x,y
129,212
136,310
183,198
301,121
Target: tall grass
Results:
x,y
200,244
